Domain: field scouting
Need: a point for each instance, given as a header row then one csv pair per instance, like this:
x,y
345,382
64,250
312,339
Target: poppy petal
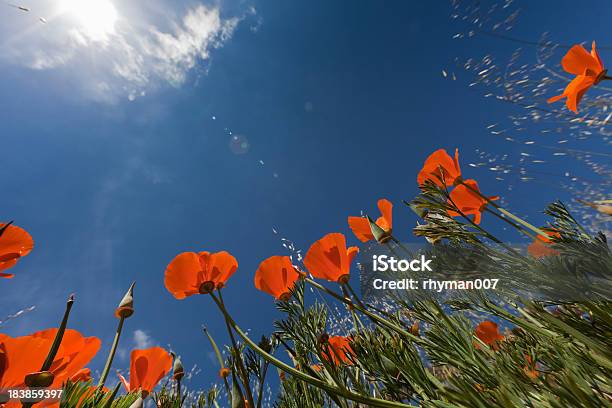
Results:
x,y
578,59
222,267
181,276
386,209
361,228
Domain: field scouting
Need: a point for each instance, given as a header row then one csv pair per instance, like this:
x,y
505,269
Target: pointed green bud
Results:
x,y
126,306
389,366
380,234
177,368
420,212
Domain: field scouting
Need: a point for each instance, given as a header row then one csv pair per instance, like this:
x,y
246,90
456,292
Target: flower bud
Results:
x,y
380,234
126,306
40,379
177,369
389,366
224,372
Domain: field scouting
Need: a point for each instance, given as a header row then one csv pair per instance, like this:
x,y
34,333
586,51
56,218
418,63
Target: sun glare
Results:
x,y
96,17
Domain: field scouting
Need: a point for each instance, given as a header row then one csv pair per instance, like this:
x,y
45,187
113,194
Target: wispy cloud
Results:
x,y
142,340
135,51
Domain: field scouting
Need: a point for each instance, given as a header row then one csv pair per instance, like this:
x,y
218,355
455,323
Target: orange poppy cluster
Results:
x,y
589,71
21,357
328,258
443,170
191,273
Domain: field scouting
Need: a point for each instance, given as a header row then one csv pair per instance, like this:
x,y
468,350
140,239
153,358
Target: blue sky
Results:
x,y
116,155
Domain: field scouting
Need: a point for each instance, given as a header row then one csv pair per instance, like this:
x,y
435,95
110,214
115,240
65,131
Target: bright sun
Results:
x,y
96,17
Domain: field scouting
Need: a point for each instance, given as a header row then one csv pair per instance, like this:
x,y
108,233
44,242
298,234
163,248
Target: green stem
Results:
x,y
359,302
262,382
111,398
377,319
178,392
111,354
58,336
374,402
241,368
505,212
356,322
506,220
219,358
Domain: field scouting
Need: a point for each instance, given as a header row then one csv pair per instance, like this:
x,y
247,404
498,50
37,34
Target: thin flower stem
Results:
x,y
178,391
356,322
57,341
241,368
219,358
505,212
111,354
377,319
359,302
262,382
58,336
506,220
373,402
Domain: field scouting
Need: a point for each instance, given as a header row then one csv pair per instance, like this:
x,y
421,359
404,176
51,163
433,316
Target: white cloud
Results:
x,y
142,340
135,51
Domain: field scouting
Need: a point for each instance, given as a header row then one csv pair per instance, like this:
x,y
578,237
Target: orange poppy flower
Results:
x,y
276,276
193,273
15,243
339,349
361,225
468,201
24,355
539,248
147,367
440,163
74,353
589,71
488,333
328,258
